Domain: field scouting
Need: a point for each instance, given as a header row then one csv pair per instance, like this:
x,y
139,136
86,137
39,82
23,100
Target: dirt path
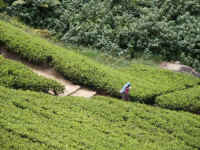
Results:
x,y
179,68
70,88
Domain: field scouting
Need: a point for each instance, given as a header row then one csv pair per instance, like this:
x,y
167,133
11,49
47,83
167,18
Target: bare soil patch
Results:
x,y
176,66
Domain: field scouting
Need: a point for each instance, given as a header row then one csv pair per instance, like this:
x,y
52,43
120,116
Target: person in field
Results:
x,y
125,91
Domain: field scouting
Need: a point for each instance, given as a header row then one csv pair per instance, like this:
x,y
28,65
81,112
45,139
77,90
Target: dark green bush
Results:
x,y
169,28
18,76
2,5
9,1
45,13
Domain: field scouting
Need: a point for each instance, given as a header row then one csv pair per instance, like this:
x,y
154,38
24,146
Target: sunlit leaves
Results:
x,y
30,120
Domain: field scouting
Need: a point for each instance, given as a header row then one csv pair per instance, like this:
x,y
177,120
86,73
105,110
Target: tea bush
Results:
x,y
188,99
147,82
169,28
18,76
182,95
161,79
73,66
2,5
40,121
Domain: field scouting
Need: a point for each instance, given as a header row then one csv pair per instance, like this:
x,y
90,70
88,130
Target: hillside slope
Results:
x,y
18,76
121,27
30,120
147,82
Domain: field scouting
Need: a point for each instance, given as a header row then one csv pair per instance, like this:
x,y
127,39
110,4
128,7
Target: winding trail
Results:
x,y
47,72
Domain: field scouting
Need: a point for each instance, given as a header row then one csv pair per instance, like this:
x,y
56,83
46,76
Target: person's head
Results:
x,y
128,85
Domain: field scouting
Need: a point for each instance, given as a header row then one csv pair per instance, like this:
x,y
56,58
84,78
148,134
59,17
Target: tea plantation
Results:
x,y
157,80
18,76
167,28
31,120
188,99
147,82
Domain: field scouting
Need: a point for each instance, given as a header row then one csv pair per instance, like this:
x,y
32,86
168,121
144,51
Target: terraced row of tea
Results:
x,y
18,76
147,82
39,121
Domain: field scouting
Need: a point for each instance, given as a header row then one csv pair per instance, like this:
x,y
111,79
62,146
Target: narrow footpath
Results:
x,y
178,67
47,72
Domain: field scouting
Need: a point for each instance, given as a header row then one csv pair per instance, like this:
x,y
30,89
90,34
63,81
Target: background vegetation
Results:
x,y
169,28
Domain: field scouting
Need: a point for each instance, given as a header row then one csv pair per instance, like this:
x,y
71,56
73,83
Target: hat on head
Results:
x,y
128,84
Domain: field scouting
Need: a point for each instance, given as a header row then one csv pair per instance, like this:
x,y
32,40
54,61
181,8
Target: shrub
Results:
x,y
18,76
158,81
147,83
188,99
36,120
75,67
2,5
169,28
9,1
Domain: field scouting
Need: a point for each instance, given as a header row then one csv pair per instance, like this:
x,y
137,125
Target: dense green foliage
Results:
x,y
2,5
188,100
169,28
39,121
158,78
16,75
159,81
73,66
87,72
30,120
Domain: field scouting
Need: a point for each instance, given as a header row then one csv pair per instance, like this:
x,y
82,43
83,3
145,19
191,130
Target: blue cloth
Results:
x,y
124,87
